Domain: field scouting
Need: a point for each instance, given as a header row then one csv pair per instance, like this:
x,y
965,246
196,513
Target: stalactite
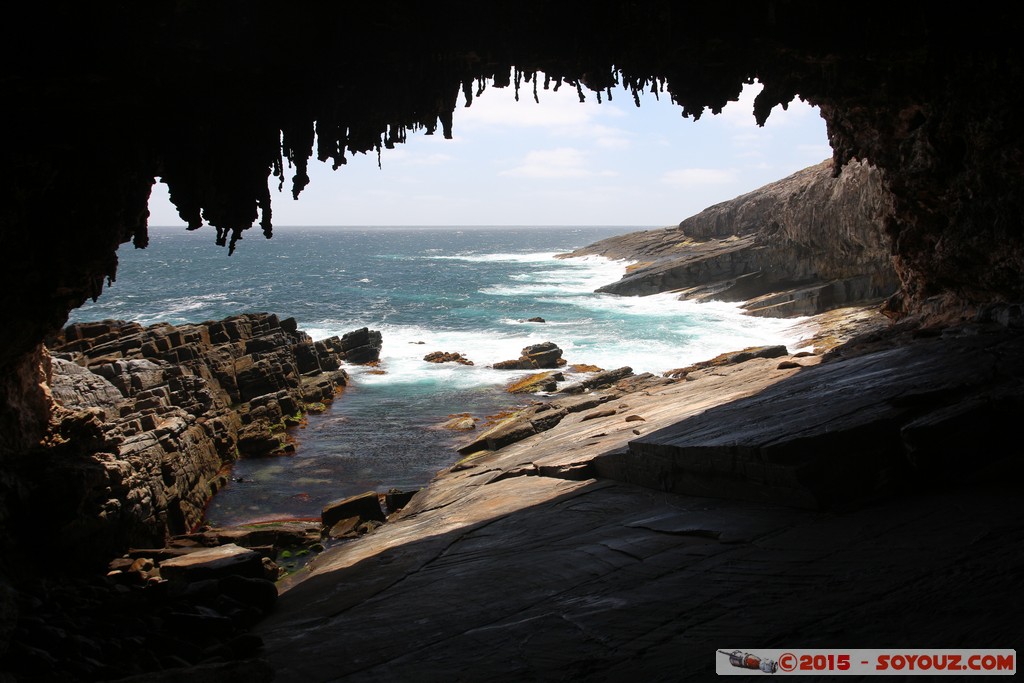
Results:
x,y
446,124
579,91
516,79
236,236
278,170
467,91
635,88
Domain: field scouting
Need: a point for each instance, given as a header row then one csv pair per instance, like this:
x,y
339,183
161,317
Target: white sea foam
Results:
x,y
535,257
567,277
650,334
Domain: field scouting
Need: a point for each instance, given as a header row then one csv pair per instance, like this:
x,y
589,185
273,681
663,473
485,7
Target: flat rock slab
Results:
x,y
847,430
213,563
611,582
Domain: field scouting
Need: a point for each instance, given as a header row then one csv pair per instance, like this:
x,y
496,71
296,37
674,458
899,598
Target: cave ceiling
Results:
x,y
227,101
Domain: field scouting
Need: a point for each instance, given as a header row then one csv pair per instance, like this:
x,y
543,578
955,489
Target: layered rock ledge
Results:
x,y
799,246
592,551
146,420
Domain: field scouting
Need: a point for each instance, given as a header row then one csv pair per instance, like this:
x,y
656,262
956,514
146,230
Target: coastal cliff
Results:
x,y
144,421
799,246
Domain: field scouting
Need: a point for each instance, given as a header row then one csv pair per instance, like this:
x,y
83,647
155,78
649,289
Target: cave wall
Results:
x,y
222,101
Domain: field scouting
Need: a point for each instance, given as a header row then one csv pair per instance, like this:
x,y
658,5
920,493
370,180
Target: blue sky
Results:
x,y
558,162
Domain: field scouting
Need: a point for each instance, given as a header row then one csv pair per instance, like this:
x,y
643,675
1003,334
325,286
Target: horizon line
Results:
x,y
442,225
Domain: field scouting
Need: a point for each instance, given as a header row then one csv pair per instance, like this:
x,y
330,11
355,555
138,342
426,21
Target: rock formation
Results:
x,y
533,357
147,418
359,346
447,357
531,384
798,246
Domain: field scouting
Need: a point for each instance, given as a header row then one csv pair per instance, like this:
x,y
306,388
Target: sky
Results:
x,y
558,162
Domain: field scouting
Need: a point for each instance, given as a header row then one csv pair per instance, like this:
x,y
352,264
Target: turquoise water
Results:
x,y
427,289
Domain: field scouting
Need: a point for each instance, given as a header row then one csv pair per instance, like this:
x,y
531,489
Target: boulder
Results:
x,y
544,355
365,506
213,563
601,379
510,430
542,381
730,358
446,357
517,364
361,346
395,499
460,423
77,388
536,356
345,528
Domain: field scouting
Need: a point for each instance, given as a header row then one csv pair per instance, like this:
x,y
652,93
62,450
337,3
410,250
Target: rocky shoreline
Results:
x,y
146,424
632,450
146,420
669,517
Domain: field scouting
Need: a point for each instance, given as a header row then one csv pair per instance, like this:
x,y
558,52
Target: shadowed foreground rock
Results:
x,y
538,561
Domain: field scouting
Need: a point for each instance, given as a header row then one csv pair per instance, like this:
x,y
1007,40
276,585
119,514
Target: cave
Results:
x,y
224,101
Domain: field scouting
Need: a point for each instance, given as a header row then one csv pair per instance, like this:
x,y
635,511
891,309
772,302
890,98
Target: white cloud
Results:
x,y
560,113
404,156
699,176
562,162
497,108
820,152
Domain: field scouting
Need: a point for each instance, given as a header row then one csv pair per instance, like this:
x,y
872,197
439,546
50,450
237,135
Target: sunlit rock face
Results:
x,y
798,246
225,100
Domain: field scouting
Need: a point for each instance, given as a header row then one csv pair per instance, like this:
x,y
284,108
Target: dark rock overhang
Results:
x,y
225,100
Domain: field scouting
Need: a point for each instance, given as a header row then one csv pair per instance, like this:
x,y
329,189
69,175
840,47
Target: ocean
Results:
x,y
466,290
